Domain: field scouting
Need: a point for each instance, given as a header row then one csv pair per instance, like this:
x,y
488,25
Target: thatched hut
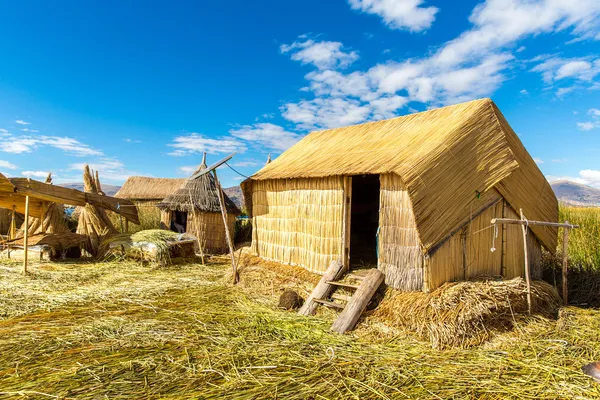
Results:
x,y
413,195
145,191
194,208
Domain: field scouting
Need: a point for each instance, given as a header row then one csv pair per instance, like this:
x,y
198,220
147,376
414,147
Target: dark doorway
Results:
x,y
179,222
364,221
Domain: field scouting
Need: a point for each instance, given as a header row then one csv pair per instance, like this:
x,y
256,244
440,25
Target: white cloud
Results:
x,y
560,160
109,169
246,163
2,130
35,174
588,177
322,54
325,113
198,143
266,135
554,69
29,130
187,169
524,92
399,14
585,126
21,122
538,160
26,144
594,113
7,164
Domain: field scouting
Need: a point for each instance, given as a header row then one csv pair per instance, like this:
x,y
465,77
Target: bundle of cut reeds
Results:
x,y
93,221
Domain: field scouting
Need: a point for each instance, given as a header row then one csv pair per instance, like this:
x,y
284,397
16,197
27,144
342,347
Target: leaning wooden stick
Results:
x,y
26,235
524,228
565,262
228,236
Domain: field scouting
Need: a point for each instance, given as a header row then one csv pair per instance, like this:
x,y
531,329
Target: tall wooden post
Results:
x,y
26,235
228,236
565,261
524,228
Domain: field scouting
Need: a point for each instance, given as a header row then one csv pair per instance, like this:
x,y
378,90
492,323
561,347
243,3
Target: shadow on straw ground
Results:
x,y
125,331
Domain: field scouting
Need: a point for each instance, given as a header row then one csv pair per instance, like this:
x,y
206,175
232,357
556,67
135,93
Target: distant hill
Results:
x,y
576,194
235,194
109,190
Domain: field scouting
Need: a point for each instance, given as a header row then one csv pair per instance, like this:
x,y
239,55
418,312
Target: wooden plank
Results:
x,y
357,305
323,289
524,229
343,284
565,263
26,235
529,222
212,167
328,303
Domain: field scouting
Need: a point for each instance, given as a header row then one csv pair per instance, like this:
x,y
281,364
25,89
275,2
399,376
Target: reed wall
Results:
x,y
467,253
208,228
298,221
400,254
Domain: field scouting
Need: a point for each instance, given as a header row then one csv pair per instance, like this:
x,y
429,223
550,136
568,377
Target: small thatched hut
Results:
x,y
194,208
413,195
146,191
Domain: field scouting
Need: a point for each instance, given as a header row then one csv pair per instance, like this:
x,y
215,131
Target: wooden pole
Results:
x,y
323,289
565,262
26,235
524,228
236,278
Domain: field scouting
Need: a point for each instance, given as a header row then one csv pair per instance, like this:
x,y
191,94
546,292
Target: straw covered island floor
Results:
x,y
90,330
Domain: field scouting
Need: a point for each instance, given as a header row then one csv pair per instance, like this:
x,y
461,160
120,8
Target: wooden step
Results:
x,y
355,276
342,284
357,304
323,289
329,303
339,296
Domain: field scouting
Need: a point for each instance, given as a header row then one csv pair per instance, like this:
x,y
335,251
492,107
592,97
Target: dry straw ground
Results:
x,y
90,331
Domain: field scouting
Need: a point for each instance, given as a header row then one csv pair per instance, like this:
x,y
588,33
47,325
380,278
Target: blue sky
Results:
x,y
143,88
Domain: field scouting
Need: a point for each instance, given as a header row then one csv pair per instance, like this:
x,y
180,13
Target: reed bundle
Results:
x,y
93,222
468,313
154,244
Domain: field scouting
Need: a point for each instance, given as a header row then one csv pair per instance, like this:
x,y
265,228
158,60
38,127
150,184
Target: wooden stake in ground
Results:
x,y
524,228
26,235
565,261
236,277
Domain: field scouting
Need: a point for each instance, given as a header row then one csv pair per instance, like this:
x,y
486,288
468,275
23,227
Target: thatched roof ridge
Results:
x,y
147,188
444,156
198,194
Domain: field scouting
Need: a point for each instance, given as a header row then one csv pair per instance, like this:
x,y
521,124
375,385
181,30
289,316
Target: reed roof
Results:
x,y
199,194
146,188
446,157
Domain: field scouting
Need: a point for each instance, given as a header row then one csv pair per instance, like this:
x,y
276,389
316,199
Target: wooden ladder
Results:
x,y
323,294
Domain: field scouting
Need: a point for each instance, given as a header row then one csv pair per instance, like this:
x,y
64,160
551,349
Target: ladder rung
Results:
x,y
329,303
342,284
339,296
355,276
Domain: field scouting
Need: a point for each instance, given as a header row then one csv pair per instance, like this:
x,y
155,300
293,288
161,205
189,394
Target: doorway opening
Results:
x,y
179,222
364,221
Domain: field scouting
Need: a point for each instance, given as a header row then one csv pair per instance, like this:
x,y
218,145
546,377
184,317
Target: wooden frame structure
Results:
x,y
31,197
524,223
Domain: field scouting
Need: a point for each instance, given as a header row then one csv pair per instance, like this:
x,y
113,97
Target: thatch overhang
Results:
x,y
13,192
143,188
199,194
447,158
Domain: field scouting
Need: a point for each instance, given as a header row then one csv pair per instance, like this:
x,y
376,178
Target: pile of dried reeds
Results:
x,y
156,245
465,314
93,221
